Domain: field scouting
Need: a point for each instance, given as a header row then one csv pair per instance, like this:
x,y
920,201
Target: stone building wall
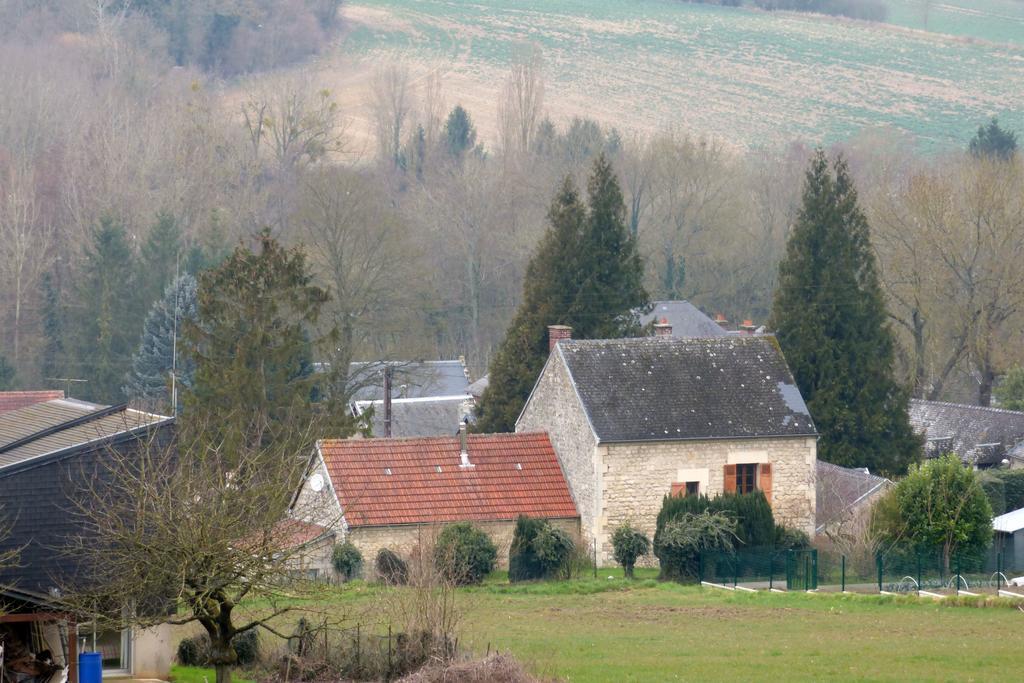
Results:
x,y
635,477
320,507
555,408
403,539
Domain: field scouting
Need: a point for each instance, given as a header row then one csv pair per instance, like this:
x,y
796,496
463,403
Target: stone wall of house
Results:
x,y
635,477
555,408
315,557
403,539
320,507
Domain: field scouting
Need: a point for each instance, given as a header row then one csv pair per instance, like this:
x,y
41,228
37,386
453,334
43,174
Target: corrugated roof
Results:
x,y
56,425
382,482
409,379
13,400
1010,523
686,319
667,388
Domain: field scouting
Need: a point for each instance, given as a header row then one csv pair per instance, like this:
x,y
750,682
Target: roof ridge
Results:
x,y
969,406
454,437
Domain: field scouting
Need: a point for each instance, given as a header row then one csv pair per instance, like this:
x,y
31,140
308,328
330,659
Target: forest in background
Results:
x,y
122,164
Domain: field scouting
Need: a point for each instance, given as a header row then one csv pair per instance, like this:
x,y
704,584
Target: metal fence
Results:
x,y
924,573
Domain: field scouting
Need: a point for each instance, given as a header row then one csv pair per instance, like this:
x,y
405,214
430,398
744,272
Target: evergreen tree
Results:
x,y
459,133
159,257
253,351
993,142
108,313
6,374
830,319
53,356
585,273
1010,391
149,380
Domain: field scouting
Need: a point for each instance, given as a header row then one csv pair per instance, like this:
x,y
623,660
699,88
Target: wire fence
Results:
x,y
994,571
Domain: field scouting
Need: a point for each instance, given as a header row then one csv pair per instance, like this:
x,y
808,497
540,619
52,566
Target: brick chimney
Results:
x,y
748,327
662,328
722,321
556,333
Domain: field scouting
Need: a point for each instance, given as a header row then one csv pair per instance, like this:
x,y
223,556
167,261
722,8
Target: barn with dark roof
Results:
x,y
635,419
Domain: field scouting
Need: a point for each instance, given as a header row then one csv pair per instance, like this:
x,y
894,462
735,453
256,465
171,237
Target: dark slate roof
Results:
x,y
979,435
410,379
53,426
685,318
418,416
666,388
841,489
477,388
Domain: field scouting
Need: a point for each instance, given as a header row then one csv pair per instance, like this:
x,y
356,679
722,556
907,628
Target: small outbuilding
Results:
x,y
397,493
1009,530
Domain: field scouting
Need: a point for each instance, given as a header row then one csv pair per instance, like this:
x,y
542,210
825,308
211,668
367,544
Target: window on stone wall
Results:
x,y
686,488
746,477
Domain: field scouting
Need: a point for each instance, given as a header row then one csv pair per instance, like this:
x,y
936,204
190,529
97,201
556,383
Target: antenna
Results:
x,y
174,340
67,383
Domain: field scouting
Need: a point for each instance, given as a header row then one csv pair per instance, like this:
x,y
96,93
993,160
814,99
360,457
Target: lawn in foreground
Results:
x,y
669,632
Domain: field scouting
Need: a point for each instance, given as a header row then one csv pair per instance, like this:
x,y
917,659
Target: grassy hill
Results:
x,y
754,78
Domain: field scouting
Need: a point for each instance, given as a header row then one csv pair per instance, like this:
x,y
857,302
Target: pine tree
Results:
x,y
993,142
149,380
159,257
6,374
253,352
459,133
830,320
585,273
108,314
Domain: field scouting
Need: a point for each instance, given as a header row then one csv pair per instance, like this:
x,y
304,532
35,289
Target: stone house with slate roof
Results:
x,y
633,420
395,493
983,437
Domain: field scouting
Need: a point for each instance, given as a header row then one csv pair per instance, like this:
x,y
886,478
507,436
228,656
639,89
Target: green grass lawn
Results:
x,y
195,674
608,629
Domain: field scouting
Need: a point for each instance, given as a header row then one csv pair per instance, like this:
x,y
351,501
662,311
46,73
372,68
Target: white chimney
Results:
x,y
464,456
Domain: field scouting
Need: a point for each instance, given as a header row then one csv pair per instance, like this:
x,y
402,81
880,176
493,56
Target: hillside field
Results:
x,y
753,78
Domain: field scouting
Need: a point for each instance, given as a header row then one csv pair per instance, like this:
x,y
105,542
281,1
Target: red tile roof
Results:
x,y
292,533
13,400
513,474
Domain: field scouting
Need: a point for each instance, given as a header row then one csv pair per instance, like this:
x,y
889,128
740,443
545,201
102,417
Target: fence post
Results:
x,y
999,572
700,567
919,574
878,563
789,569
842,572
390,665
814,567
807,571
958,575
771,569
595,558
735,570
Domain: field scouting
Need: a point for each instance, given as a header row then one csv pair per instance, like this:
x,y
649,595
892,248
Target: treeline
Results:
x,y
223,37
424,244
868,10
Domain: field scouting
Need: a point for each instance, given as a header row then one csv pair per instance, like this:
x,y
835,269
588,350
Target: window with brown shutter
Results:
x,y
678,489
764,481
746,477
730,479
687,488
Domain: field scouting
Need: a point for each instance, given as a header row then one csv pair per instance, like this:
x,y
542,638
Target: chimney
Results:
x,y
721,320
748,327
463,439
557,333
387,401
662,328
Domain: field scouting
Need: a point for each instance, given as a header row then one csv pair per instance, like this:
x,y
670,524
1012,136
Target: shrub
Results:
x,y
464,554
347,560
755,525
995,490
1013,488
787,538
629,544
195,651
682,540
391,569
539,551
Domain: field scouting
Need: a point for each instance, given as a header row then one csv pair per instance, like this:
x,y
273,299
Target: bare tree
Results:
x,y
392,101
186,533
521,105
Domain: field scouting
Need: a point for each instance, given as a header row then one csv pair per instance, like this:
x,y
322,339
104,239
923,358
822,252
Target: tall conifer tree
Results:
x,y
830,319
585,273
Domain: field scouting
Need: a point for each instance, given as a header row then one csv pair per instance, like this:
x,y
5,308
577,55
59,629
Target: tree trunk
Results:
x,y
223,673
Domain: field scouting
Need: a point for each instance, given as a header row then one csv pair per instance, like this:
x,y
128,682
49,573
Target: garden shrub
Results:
x,y
464,554
195,651
994,487
628,544
787,538
755,525
539,551
347,560
391,569
681,542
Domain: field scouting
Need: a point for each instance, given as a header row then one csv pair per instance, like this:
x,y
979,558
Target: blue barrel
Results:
x,y
90,667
